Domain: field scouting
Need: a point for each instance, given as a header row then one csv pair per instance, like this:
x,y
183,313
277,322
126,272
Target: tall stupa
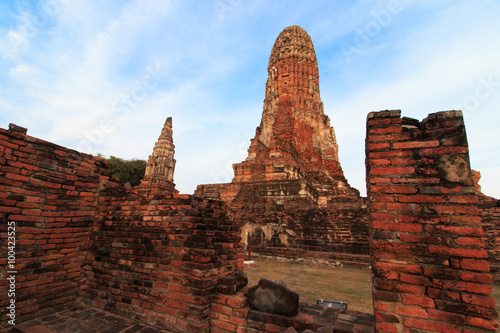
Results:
x,y
295,140
290,196
160,166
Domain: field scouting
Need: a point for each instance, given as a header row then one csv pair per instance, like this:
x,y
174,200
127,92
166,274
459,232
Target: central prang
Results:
x,y
294,140
290,193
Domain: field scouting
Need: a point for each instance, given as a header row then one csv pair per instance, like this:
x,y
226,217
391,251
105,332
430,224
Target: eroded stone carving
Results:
x,y
455,169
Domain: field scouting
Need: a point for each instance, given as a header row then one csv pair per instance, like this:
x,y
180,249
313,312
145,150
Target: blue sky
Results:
x,y
102,76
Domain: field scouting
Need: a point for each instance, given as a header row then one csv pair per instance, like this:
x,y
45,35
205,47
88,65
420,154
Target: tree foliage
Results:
x,y
131,171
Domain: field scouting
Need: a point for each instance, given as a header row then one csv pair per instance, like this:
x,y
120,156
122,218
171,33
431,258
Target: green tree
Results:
x,y
131,171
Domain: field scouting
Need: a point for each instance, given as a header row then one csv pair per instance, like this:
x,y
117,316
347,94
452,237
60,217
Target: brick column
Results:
x,y
430,269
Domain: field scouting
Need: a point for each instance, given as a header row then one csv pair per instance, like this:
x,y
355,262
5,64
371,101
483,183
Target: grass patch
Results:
x,y
313,282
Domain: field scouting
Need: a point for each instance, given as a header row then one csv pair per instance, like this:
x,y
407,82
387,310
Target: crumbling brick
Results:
x,y
436,227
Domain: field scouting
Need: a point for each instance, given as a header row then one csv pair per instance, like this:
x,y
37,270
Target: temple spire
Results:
x,y
294,132
161,164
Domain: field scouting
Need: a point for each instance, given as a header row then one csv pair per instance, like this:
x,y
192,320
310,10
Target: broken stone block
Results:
x,y
272,296
231,283
18,129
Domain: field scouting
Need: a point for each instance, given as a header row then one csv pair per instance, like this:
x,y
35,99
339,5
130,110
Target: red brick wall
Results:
x,y
167,259
140,252
299,227
489,209
430,268
51,193
160,258
311,232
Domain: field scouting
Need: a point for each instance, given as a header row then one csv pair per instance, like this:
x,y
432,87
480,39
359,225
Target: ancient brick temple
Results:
x,y
175,261
290,196
294,149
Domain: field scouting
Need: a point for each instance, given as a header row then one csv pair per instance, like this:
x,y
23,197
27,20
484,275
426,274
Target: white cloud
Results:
x,y
433,67
22,70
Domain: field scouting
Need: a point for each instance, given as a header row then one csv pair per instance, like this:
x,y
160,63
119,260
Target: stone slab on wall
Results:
x,y
429,263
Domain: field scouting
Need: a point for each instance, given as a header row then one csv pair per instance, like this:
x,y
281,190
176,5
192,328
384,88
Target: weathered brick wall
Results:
x,y
161,258
168,259
299,228
309,232
51,193
154,256
430,269
489,209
